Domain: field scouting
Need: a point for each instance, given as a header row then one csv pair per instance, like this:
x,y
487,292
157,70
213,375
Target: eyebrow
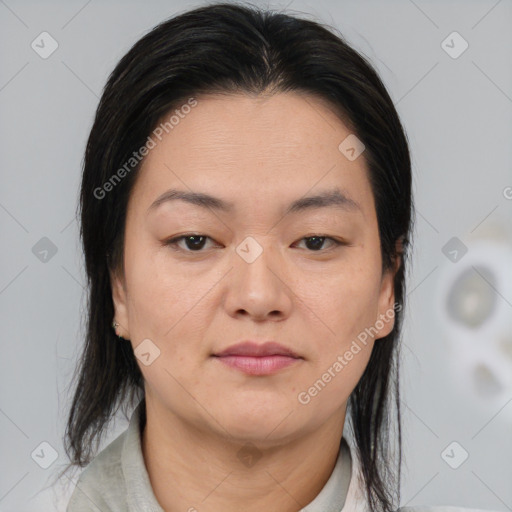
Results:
x,y
327,198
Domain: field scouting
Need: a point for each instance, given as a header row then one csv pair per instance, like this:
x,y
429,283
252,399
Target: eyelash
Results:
x,y
173,242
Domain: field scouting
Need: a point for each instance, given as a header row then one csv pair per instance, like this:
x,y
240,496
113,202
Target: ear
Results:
x,y
386,312
119,297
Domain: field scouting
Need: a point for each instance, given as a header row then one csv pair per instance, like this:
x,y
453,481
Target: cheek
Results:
x,y
344,302
331,386
159,295
169,308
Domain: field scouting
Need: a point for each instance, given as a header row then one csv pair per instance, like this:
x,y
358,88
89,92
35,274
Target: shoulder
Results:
x,y
101,486
424,508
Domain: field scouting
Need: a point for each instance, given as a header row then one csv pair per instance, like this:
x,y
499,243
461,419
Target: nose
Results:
x,y
259,288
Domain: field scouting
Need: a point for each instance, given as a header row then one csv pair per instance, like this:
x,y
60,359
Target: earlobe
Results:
x,y
386,315
120,305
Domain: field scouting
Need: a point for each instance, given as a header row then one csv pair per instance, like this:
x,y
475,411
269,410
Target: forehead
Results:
x,y
253,147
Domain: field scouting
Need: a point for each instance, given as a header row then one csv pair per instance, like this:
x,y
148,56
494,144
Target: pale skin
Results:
x,y
261,154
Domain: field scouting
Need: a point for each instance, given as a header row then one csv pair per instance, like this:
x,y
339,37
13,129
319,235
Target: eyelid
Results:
x,y
173,242
334,242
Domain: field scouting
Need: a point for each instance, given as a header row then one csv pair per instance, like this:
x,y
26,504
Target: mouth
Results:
x,y
258,359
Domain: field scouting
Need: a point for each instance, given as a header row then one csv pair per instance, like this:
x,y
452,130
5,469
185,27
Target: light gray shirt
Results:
x,y
116,480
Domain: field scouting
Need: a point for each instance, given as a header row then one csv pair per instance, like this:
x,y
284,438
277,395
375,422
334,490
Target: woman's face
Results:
x,y
259,274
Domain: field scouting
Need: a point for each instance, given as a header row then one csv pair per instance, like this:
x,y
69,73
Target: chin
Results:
x,y
258,423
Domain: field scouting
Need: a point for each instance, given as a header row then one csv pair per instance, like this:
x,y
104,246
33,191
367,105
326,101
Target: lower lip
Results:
x,y
262,365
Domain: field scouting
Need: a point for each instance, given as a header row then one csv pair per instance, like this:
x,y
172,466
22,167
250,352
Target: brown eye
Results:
x,y
193,242
315,243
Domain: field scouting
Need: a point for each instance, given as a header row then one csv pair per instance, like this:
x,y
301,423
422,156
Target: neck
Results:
x,y
193,470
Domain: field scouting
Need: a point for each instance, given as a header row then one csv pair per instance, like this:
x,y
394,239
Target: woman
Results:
x,y
246,213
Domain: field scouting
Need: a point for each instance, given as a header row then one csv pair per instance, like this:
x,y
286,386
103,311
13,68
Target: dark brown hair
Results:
x,y
237,48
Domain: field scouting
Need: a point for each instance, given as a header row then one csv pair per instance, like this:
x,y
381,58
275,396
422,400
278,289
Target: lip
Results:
x,y
253,349
258,358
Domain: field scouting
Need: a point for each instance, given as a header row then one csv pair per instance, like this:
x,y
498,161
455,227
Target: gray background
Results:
x,y
458,116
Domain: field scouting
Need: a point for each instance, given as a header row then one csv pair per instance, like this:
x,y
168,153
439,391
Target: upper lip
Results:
x,y
254,349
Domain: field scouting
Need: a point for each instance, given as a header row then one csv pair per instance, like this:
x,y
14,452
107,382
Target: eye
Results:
x,y
315,242
196,242
193,242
